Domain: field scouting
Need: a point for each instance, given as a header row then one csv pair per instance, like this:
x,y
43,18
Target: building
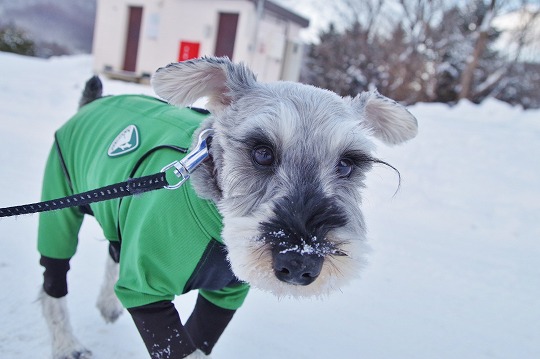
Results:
x,y
132,38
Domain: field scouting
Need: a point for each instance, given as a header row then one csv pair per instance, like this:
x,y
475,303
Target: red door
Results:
x,y
132,40
226,35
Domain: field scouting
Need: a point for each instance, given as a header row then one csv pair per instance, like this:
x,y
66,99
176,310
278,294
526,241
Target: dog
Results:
x,y
276,205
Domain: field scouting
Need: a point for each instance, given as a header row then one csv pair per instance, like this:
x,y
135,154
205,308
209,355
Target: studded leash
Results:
x,y
132,186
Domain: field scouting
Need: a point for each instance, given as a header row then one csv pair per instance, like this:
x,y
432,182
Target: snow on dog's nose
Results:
x,y
298,234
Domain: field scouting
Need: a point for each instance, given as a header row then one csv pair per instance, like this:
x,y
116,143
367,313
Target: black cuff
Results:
x,y
161,330
114,251
207,323
54,277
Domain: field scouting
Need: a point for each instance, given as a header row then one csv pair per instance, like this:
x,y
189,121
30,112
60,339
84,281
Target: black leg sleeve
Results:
x,y
207,323
55,276
161,330
114,251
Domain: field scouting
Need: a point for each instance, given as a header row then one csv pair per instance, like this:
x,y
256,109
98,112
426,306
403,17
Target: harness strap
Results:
x,y
132,186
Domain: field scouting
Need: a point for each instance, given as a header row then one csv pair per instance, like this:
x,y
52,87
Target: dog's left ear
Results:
x,y
216,78
388,120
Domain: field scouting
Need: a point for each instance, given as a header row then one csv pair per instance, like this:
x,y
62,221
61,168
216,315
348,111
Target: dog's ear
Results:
x,y
388,120
216,78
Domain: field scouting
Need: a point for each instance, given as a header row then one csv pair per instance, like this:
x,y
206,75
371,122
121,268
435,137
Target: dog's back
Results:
x,y
107,140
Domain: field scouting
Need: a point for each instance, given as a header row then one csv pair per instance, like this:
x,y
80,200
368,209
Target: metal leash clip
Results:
x,y
185,167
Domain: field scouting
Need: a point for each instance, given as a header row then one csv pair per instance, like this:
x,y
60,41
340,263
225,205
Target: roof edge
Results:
x,y
284,13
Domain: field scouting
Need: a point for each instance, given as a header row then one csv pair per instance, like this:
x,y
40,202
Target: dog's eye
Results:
x,y
344,167
263,155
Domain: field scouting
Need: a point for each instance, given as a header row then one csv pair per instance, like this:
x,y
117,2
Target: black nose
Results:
x,y
297,268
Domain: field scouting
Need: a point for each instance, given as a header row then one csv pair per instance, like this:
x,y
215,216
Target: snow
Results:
x,y
453,271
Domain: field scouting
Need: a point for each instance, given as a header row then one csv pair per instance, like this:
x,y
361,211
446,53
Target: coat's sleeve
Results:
x,y
213,312
162,331
160,249
206,324
231,297
164,335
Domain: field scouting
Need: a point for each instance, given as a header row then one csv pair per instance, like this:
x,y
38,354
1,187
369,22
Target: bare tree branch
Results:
x,y
479,48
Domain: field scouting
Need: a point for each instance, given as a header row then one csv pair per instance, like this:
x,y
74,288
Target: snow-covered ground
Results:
x,y
454,271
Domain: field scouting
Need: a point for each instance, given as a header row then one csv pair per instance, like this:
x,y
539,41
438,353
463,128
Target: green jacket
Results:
x,y
170,240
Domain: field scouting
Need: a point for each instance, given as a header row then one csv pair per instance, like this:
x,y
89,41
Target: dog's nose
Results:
x,y
297,268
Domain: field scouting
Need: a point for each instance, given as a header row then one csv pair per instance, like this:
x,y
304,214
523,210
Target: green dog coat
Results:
x,y
169,241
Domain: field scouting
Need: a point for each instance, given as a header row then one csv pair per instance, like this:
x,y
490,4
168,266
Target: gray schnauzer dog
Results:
x,y
283,180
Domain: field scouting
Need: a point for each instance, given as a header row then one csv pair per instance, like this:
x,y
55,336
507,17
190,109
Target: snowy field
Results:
x,y
454,270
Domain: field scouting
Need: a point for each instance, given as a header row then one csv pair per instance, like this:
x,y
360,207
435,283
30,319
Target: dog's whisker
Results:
x,y
260,250
334,266
374,160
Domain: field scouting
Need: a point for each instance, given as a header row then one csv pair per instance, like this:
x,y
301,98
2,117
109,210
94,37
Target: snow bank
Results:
x,y
453,273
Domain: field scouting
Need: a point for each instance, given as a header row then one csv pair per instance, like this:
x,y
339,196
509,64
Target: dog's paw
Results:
x,y
80,353
197,354
110,308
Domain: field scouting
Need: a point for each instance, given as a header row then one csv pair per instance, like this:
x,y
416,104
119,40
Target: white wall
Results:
x,y
109,34
166,23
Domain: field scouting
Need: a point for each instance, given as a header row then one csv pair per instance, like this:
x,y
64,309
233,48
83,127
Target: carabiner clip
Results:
x,y
185,167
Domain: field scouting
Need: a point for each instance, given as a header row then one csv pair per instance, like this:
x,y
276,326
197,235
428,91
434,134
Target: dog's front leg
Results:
x,y
207,323
108,304
64,344
163,333
198,355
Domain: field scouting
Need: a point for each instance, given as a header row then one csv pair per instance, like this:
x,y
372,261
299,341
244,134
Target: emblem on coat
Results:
x,y
125,142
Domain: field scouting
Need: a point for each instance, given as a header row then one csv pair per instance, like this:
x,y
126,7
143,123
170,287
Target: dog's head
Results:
x,y
287,166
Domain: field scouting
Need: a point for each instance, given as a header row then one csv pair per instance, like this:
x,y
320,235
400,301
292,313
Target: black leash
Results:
x,y
131,187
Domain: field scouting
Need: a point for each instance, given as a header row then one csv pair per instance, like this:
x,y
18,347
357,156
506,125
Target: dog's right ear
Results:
x,y
216,78
389,121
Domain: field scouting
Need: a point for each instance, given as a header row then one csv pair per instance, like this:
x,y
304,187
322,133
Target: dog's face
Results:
x,y
287,165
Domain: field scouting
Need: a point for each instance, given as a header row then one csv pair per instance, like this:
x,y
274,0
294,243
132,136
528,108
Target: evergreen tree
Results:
x,y
418,58
15,40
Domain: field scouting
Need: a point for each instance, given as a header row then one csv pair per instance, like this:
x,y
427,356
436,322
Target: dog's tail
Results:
x,y
92,91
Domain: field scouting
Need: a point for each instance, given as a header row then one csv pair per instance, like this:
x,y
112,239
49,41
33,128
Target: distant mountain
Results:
x,y
65,24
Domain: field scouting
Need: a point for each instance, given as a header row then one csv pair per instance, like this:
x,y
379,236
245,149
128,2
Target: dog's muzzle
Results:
x,y
297,233
297,268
